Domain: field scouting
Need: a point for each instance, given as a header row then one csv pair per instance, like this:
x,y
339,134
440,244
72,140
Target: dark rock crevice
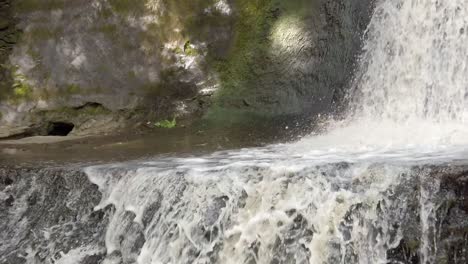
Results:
x,y
59,128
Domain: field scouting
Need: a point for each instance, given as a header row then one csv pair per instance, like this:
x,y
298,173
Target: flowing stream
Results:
x,y
328,198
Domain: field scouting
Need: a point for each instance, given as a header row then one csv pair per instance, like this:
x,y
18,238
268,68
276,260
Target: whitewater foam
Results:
x,y
410,89
328,198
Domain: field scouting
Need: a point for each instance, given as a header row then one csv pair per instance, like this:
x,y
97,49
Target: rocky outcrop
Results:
x,y
294,57
447,190
42,205
154,59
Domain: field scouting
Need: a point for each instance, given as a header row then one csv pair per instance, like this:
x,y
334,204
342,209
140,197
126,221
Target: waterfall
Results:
x,y
410,88
340,197
414,63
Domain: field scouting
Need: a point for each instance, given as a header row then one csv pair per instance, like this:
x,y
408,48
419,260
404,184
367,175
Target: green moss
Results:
x,y
189,49
249,48
12,36
128,7
251,56
21,89
151,89
26,6
132,75
106,13
35,55
179,51
227,117
4,22
43,33
166,124
413,245
73,89
109,30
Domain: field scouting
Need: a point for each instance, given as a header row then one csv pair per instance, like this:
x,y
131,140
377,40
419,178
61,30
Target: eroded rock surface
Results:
x,y
154,60
47,212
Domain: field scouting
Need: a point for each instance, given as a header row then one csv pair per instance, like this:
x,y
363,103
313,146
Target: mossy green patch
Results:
x,y
106,13
227,117
109,30
190,50
166,124
249,61
128,7
4,23
73,89
249,49
413,245
42,33
21,88
26,6
35,55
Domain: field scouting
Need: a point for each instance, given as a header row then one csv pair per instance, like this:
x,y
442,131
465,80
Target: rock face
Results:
x,y
157,59
8,37
43,205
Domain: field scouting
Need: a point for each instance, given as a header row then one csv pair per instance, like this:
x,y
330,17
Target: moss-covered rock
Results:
x,y
4,23
9,35
260,58
290,57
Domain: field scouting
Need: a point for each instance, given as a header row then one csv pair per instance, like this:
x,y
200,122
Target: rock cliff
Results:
x,y
102,65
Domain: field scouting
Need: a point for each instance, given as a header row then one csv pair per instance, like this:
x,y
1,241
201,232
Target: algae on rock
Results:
x,y
229,58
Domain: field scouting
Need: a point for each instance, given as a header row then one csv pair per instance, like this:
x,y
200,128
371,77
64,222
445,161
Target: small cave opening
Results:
x,y
61,129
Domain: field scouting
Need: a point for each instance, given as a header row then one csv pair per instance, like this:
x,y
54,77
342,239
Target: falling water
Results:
x,y
414,66
340,197
410,89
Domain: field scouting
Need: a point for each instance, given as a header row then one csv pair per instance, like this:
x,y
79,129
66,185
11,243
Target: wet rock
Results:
x,y
9,201
94,259
45,205
280,59
214,210
448,226
150,212
4,23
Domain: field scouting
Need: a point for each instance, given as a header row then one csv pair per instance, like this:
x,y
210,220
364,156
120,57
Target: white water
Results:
x,y
410,89
332,198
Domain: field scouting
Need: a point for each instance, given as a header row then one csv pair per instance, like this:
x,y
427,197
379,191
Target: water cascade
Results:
x,y
346,196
